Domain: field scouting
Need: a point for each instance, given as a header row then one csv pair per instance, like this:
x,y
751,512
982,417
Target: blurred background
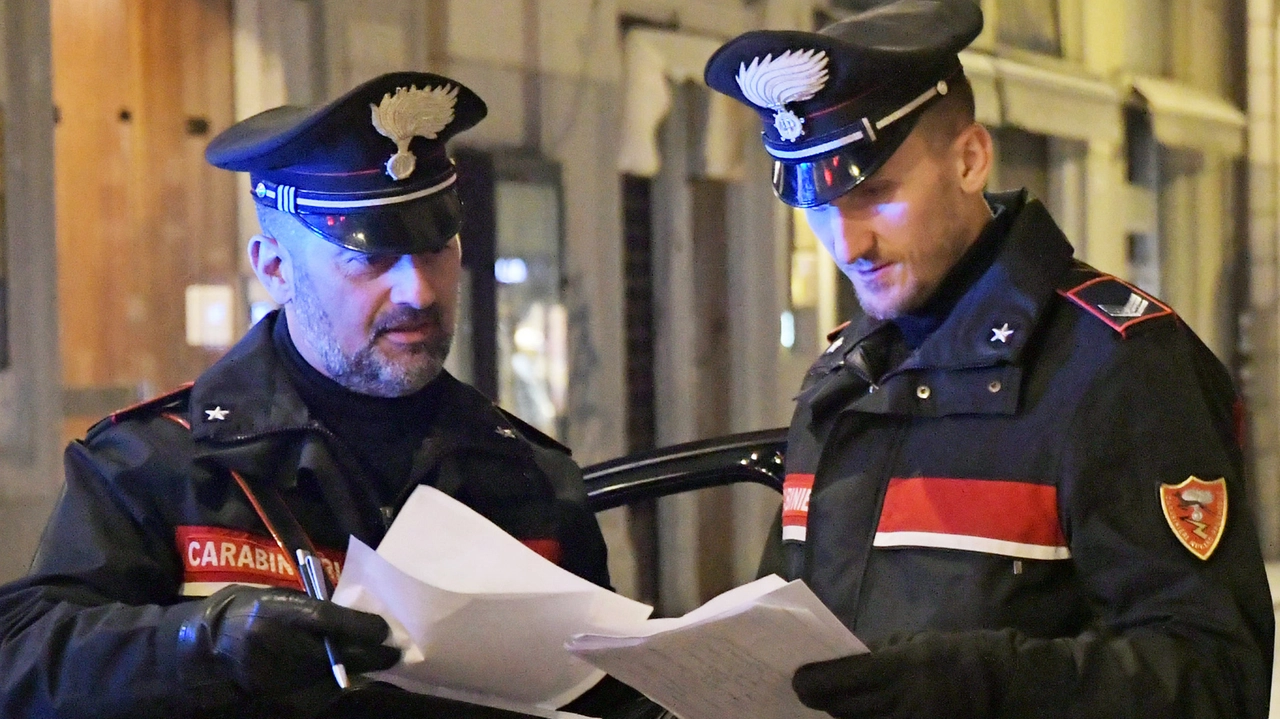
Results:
x,y
630,280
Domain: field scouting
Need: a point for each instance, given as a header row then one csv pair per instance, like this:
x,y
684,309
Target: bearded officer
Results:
x,y
1012,477
164,584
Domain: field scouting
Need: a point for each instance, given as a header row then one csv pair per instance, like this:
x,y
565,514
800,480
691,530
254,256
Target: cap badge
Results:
x,y
412,113
793,76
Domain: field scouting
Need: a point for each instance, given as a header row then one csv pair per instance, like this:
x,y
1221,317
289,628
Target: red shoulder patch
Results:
x,y
833,334
1116,302
152,403
1196,511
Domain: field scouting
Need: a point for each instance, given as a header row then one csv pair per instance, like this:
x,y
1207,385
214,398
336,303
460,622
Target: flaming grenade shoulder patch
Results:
x,y
1196,511
412,113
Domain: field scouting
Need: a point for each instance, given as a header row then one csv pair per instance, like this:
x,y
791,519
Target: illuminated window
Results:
x,y
512,337
533,367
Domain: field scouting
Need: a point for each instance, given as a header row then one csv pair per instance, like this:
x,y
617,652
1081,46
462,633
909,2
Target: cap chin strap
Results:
x,y
286,198
867,130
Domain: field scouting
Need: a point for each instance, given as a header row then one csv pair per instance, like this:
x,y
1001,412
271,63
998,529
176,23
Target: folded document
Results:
x,y
483,618
480,616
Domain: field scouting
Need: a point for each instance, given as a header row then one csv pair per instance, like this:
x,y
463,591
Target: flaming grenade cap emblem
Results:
x,y
412,113
793,76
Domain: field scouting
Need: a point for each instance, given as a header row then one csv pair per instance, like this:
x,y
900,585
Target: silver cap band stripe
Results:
x,y
287,200
858,134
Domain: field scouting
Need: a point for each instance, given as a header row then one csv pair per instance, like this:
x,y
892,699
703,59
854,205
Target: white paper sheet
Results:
x,y
480,616
732,657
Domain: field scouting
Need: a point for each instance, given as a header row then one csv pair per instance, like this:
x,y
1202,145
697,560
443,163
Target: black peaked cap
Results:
x,y
368,171
837,103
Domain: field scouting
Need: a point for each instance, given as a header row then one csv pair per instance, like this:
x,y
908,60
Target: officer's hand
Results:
x,y
923,676
272,640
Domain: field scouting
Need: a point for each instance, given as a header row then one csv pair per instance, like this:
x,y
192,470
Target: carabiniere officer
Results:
x,y
1012,475
165,583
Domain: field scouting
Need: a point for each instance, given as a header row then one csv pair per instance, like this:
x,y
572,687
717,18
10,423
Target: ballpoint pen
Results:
x,y
317,588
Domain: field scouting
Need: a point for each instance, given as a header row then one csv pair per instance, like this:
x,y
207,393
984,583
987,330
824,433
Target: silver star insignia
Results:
x,y
1001,334
503,431
217,413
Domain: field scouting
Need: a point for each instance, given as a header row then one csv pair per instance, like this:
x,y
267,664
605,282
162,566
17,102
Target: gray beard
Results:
x,y
367,370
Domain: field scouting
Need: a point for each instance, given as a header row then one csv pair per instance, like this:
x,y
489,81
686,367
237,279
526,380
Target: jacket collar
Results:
x,y
246,399
993,321
247,393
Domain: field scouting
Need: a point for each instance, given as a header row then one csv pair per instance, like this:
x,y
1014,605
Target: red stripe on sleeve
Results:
x,y
796,490
217,554
550,549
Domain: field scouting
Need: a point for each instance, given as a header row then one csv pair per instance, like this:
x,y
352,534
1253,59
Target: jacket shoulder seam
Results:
x,y
160,402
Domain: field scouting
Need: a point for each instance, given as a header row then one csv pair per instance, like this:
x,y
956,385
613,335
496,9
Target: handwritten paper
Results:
x,y
732,657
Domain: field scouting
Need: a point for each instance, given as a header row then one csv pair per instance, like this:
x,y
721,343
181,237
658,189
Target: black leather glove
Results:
x,y
923,676
271,641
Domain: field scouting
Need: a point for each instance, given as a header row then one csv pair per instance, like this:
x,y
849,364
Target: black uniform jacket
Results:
x,y
1011,473
151,514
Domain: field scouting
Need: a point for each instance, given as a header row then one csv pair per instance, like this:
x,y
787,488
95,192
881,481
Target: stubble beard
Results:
x,y
880,303
914,292
369,370
870,307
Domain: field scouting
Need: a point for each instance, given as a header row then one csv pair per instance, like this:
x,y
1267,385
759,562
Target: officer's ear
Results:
x,y
974,159
273,265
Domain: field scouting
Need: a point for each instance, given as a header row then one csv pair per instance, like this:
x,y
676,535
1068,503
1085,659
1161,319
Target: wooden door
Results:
x,y
140,86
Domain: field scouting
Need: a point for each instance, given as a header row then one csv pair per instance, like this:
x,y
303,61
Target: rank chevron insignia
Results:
x,y
412,113
1135,307
793,76
1117,303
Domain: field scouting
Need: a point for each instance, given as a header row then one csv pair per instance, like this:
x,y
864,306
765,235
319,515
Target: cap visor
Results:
x,y
818,181
407,228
